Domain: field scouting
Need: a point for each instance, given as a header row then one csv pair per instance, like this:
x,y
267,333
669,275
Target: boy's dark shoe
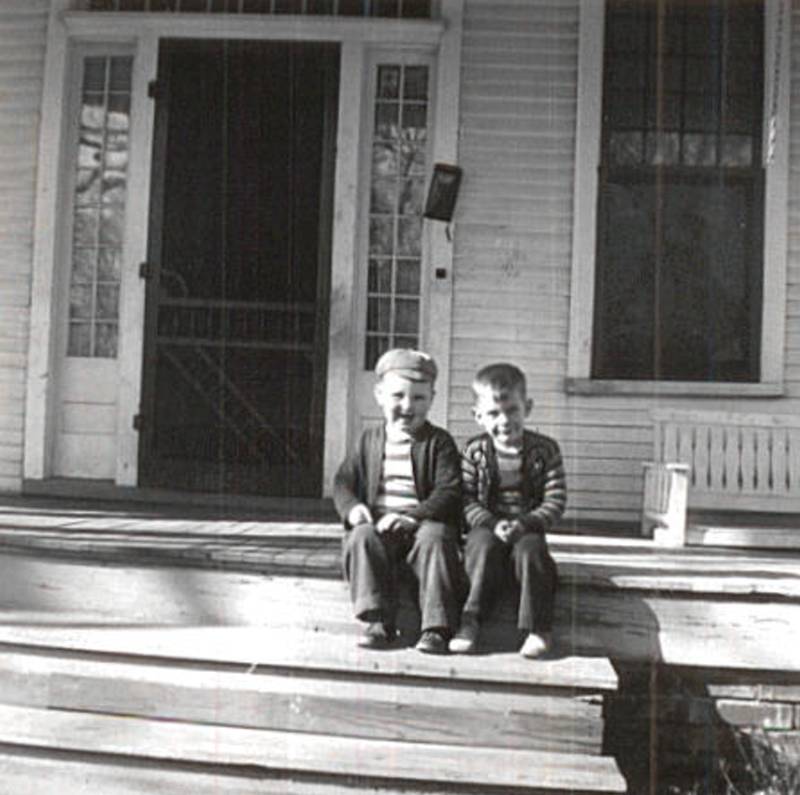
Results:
x,y
377,635
432,641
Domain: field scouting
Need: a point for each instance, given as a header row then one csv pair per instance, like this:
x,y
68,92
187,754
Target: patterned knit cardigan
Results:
x,y
544,487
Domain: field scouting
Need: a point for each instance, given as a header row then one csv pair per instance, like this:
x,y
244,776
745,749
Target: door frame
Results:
x,y
356,37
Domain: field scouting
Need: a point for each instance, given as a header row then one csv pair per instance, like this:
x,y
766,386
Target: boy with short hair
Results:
x,y
399,495
514,491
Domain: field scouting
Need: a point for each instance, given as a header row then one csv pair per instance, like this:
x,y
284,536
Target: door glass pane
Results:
x,y
99,196
397,184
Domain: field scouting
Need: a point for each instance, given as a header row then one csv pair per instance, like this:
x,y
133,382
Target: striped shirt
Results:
x,y
509,487
396,492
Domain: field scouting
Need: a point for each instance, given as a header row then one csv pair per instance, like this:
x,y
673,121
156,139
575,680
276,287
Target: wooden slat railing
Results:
x,y
738,461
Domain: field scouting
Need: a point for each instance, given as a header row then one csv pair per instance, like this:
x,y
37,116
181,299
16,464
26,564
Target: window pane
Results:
x,y
384,159
106,340
83,260
380,276
100,191
625,148
87,186
397,188
412,196
407,320
409,236
94,74
699,149
383,196
680,206
375,346
107,302
388,82
408,276
387,120
379,314
80,301
79,342
415,82
662,149
678,298
381,236
108,264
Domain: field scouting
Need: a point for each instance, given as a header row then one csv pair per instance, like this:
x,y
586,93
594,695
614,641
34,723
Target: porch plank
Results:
x,y
293,752
712,535
365,706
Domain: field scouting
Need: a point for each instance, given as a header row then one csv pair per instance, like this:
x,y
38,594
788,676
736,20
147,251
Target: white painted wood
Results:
x,y
655,389
777,20
587,160
85,455
88,418
439,303
309,753
128,27
132,288
41,361
91,382
738,461
666,488
342,331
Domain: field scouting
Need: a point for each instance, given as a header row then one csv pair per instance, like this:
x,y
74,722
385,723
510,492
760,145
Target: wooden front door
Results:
x,y
239,264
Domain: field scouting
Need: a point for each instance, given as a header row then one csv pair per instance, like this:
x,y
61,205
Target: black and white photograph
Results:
x,y
399,397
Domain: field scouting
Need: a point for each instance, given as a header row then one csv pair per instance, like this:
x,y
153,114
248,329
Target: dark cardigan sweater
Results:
x,y
437,474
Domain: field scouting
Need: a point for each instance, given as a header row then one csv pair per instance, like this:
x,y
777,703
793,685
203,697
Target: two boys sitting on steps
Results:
x,y
401,497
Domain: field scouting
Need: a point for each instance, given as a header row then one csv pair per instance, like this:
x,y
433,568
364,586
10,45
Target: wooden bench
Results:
x,y
739,462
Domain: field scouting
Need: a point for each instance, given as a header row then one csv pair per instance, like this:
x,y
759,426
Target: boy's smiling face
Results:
x,y
405,403
502,414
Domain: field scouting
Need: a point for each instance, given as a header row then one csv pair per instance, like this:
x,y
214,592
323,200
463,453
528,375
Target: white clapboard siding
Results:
x,y
22,48
513,249
792,369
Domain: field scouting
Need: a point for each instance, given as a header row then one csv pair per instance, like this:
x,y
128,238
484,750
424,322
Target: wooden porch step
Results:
x,y
761,531
133,745
369,706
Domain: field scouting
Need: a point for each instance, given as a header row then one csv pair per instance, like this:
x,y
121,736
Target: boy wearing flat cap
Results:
x,y
399,495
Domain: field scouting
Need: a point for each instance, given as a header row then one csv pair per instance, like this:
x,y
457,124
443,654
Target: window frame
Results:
x,y
777,23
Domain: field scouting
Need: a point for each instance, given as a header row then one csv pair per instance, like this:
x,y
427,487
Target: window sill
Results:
x,y
589,386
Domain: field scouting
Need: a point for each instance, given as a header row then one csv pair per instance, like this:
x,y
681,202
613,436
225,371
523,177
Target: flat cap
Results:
x,y
414,365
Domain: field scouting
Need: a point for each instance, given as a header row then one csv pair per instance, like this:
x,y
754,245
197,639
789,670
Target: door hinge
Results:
x,y
145,270
138,422
154,89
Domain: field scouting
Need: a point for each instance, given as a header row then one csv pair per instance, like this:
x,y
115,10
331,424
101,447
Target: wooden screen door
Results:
x,y
239,263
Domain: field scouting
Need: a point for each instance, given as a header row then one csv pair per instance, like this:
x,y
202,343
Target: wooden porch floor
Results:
x,y
619,596
213,653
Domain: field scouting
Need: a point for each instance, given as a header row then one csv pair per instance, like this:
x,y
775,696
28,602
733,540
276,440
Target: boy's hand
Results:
x,y
359,514
396,523
508,531
502,529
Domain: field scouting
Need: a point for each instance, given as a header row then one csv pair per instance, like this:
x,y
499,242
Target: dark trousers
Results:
x,y
491,564
373,561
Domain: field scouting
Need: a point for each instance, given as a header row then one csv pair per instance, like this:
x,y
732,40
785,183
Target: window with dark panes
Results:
x,y
397,189
680,205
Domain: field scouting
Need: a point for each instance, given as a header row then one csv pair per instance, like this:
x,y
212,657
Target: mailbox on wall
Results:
x,y
443,192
